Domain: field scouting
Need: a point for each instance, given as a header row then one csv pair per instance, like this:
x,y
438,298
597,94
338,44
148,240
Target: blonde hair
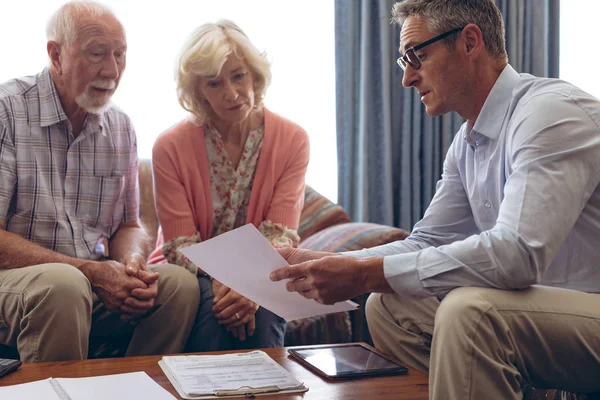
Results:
x,y
204,54
61,27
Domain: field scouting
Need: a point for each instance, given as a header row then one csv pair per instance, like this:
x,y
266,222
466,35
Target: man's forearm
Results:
x,y
372,274
18,252
130,239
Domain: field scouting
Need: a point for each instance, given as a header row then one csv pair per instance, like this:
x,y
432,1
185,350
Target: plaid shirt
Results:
x,y
61,192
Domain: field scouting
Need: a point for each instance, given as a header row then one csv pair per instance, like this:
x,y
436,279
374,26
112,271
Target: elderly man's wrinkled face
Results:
x,y
231,94
92,66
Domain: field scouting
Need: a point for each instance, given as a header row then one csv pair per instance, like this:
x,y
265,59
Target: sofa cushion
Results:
x,y
319,213
530,393
352,236
147,210
320,329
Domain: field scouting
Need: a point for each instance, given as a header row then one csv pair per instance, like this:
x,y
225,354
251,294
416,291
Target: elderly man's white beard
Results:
x,y
95,103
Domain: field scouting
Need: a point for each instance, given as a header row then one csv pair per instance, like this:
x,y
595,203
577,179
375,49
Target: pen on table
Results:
x,y
251,392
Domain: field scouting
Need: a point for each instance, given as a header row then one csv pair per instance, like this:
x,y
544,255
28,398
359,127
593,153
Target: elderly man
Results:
x,y
509,243
72,251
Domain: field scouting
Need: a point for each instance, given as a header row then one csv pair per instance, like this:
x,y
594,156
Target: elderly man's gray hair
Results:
x,y
61,25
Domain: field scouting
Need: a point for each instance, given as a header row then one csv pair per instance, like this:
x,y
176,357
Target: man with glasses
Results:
x,y
411,58
504,264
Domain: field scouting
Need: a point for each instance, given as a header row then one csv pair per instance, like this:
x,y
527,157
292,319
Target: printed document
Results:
x,y
243,259
234,374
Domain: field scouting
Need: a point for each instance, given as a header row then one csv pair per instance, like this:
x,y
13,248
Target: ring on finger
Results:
x,y
237,316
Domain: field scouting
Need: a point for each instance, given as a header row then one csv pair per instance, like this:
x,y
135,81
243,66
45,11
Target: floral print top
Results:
x,y
231,189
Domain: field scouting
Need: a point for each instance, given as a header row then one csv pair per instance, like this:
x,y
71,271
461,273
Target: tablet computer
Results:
x,y
346,361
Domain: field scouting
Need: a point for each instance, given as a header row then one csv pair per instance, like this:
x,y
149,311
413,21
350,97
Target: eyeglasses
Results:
x,y
411,58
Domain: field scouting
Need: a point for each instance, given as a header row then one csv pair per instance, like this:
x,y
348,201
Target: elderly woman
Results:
x,y
233,162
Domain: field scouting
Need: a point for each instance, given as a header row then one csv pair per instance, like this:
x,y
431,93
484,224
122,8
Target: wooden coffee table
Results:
x,y
412,386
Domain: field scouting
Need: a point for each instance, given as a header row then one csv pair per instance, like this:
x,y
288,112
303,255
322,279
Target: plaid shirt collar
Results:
x,y
51,110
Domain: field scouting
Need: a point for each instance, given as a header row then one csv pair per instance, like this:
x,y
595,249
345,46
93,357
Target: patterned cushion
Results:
x,y
319,213
530,393
353,236
321,329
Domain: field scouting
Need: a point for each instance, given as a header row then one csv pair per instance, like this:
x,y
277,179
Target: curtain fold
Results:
x,y
390,153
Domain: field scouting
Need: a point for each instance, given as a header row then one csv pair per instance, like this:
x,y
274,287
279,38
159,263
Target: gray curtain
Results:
x,y
390,153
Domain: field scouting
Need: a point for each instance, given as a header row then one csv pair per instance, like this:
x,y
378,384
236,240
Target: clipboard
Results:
x,y
248,386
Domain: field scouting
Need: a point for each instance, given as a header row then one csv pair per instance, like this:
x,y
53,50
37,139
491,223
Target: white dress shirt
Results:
x,y
518,203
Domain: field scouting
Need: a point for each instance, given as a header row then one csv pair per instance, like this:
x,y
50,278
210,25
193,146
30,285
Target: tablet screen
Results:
x,y
347,361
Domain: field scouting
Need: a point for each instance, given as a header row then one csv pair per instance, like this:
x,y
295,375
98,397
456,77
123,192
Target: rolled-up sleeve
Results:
x,y
8,170
132,188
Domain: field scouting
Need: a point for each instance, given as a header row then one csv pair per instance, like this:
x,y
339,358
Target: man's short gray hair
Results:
x,y
444,15
61,27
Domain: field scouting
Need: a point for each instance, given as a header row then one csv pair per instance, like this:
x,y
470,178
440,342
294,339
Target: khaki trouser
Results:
x,y
487,342
48,312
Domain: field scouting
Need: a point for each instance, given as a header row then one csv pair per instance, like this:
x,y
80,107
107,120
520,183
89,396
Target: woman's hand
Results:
x,y
244,331
231,308
219,290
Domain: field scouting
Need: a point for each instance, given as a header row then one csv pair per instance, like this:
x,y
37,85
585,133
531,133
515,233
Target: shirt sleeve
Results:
x,y
279,235
173,256
552,146
8,170
447,219
132,186
288,196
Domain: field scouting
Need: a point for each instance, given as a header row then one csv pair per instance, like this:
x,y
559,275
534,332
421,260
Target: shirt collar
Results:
x,y
51,111
494,110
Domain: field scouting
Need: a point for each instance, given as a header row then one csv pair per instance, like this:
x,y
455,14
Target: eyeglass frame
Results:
x,y
403,60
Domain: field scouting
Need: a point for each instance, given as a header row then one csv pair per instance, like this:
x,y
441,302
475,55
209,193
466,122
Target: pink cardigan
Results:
x,y
182,180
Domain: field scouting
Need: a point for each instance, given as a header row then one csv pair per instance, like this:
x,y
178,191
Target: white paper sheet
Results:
x,y
243,259
134,385
29,391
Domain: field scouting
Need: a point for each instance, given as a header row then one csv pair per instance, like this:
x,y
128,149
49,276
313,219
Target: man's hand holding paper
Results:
x,y
312,273
242,260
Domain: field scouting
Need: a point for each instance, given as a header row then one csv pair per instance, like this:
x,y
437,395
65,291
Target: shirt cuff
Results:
x,y
403,276
278,234
364,253
172,254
